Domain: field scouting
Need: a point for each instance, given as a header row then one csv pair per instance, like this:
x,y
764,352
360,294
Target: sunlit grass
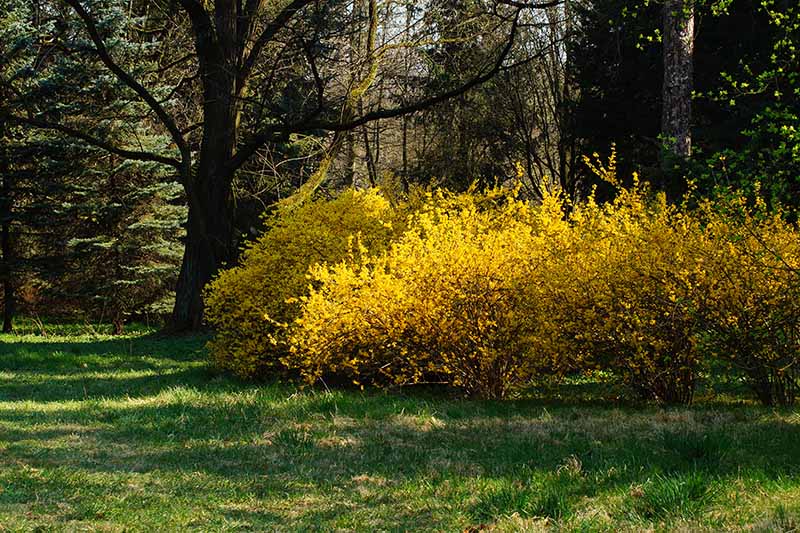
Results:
x,y
138,434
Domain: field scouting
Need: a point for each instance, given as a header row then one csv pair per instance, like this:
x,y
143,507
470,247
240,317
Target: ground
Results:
x,y
137,433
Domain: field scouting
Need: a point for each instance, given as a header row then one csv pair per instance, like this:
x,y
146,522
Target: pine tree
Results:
x,y
87,233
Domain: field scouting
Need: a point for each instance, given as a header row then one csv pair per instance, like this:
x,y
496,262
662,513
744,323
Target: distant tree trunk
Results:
x,y
405,149
6,272
676,116
350,160
409,7
372,172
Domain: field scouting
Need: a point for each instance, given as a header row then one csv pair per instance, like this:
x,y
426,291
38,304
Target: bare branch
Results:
x,y
312,63
172,64
309,123
267,34
531,5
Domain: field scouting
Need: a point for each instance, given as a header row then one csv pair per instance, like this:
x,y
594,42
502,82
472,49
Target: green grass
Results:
x,y
137,434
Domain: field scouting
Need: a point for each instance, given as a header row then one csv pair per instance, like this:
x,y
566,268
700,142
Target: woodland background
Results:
x,y
142,141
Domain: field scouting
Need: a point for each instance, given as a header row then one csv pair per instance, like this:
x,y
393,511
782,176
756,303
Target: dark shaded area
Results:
x,y
58,370
619,71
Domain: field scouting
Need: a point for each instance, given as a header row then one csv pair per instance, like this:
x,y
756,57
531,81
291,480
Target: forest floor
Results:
x,y
136,433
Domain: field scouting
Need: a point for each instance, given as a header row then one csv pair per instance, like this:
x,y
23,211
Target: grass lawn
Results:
x,y
137,434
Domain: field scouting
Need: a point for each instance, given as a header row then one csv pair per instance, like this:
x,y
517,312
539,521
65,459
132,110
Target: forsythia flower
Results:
x,y
485,291
251,305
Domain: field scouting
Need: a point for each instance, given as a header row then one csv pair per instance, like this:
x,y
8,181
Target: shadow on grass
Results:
x,y
535,462
231,430
89,368
45,354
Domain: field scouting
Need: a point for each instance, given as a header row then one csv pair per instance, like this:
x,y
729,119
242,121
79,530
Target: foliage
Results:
x,y
250,305
751,315
92,236
448,301
484,298
484,292
667,288
440,91
768,158
745,92
124,250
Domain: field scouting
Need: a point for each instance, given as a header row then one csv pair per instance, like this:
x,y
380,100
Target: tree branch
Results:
x,y
99,143
196,11
531,5
127,79
267,34
308,123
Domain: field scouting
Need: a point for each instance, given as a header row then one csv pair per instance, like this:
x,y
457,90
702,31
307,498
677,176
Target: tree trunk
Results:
x,y
209,245
210,238
676,116
196,271
350,160
9,299
372,173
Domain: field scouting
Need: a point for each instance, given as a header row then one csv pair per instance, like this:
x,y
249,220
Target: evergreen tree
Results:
x,y
84,233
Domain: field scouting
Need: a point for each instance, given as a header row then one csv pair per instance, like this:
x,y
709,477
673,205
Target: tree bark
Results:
x,y
372,172
210,239
676,116
9,297
197,268
209,245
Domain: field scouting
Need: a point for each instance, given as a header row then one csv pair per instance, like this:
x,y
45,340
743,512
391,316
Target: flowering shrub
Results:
x,y
250,305
751,306
484,291
447,302
652,290
635,276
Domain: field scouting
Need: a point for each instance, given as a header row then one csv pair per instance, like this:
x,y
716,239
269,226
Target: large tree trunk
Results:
x,y
200,263
210,239
209,244
676,114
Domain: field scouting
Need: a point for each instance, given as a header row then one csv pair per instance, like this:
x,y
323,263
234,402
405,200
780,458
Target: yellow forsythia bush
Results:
x,y
451,301
751,305
484,295
484,291
652,291
251,305
628,301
